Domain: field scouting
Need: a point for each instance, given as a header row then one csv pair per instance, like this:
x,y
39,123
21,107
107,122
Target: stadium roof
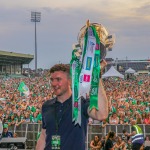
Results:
x,y
14,58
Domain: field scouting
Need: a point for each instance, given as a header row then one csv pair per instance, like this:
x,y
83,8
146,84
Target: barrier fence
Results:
x,y
28,130
31,130
96,129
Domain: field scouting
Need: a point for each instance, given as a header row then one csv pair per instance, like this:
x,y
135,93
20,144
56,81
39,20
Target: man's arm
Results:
x,y
132,134
41,141
102,112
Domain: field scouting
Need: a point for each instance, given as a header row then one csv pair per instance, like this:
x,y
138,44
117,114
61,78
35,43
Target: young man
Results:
x,y
137,136
109,145
6,133
125,137
58,130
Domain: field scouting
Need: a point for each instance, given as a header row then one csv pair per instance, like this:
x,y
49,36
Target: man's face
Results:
x,y
141,108
13,107
24,103
125,133
5,130
60,83
114,115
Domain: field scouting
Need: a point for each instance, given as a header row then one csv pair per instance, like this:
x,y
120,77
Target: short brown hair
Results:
x,y
61,67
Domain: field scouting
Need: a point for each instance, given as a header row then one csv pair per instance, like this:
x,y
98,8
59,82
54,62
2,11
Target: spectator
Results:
x,y
109,145
139,118
144,116
19,118
96,143
147,119
127,117
35,117
103,139
120,144
137,136
27,117
104,123
147,138
114,119
6,133
126,138
121,118
15,135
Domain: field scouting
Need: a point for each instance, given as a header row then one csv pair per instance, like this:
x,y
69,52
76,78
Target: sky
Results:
x,y
61,21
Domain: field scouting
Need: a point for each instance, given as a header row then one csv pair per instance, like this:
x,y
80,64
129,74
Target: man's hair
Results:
x,y
61,67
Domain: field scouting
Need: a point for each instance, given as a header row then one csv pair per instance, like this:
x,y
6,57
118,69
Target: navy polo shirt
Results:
x,y
72,136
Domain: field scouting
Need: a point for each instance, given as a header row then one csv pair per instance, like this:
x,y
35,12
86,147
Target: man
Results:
x,y
125,137
109,145
57,126
6,133
137,136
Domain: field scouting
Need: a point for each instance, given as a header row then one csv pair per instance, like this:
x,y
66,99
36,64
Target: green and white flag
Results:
x,y
85,72
24,90
140,82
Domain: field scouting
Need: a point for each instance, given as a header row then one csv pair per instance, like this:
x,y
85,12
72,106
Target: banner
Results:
x,y
76,100
85,73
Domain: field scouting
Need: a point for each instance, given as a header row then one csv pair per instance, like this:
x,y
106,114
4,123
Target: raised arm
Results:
x,y
102,112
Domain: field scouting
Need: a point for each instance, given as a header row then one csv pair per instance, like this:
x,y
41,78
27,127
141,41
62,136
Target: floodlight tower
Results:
x,y
35,17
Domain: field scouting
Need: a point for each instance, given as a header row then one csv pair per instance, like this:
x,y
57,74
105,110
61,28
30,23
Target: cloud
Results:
x,y
144,9
61,22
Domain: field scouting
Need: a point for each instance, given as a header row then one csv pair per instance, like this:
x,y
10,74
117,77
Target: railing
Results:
x,y
96,129
30,131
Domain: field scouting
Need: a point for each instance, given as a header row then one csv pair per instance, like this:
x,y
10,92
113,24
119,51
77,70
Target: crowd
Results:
x,y
128,100
16,109
119,142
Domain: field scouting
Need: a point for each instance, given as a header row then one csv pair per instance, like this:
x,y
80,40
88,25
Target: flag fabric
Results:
x,y
134,102
140,82
24,90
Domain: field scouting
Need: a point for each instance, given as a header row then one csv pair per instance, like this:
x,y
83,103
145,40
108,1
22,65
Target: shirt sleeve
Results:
x,y
43,119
